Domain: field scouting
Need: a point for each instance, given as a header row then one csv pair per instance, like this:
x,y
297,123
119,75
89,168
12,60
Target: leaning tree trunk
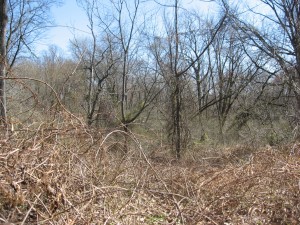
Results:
x,y
3,22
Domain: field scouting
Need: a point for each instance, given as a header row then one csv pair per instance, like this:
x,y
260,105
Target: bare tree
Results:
x,y
28,20
114,61
98,60
126,27
233,72
3,22
22,23
173,64
279,38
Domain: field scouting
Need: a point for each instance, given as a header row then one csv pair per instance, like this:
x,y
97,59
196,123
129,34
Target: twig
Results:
x,y
29,211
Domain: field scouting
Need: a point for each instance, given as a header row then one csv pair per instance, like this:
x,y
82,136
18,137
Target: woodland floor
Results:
x,y
65,174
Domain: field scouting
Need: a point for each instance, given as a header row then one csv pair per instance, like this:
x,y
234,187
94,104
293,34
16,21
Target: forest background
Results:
x,y
162,84
190,78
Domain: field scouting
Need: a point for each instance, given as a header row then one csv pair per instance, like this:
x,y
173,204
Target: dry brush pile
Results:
x,y
63,173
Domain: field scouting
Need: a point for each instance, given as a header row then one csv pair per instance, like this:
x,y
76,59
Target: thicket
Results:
x,y
62,172
192,120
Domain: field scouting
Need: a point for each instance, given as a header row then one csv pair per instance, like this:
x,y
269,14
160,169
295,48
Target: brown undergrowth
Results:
x,y
63,173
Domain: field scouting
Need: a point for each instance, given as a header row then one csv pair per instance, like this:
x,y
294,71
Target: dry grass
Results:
x,y
62,173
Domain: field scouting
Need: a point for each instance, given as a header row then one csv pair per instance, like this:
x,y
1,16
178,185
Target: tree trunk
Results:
x,y
297,96
125,146
3,22
177,118
177,92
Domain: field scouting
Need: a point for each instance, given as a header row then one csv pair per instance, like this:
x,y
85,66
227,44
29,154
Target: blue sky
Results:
x,y
71,15
66,16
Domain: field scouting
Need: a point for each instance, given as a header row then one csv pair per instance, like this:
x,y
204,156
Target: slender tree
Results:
x,y
174,66
3,22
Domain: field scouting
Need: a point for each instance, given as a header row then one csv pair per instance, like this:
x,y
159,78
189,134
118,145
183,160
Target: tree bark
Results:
x,y
178,144
3,22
